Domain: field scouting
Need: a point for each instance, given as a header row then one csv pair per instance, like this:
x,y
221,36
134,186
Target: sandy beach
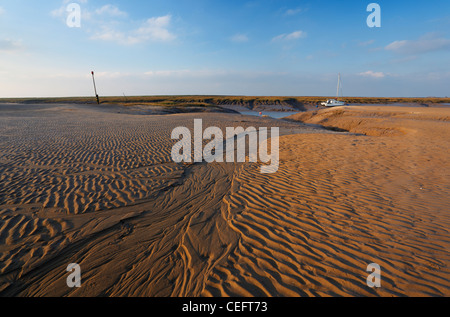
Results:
x,y
97,186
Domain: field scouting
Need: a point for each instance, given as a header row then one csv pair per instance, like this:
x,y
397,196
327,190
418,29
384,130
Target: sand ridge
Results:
x,y
86,186
99,188
310,231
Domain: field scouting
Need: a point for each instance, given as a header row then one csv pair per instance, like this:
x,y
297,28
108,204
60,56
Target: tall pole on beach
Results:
x,y
95,88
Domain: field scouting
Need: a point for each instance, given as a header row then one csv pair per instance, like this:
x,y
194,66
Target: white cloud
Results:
x,y
2,11
111,10
107,11
239,38
153,29
109,23
108,34
62,13
156,29
166,72
58,13
427,43
291,36
372,74
293,11
186,73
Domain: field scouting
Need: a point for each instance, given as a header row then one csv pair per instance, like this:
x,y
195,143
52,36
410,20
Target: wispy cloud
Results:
x,y
293,11
2,11
106,11
61,12
209,73
372,74
156,29
404,59
289,37
58,13
8,45
187,73
113,25
153,29
239,38
111,10
366,43
425,44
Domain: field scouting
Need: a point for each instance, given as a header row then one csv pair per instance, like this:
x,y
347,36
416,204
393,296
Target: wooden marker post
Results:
x,y
95,88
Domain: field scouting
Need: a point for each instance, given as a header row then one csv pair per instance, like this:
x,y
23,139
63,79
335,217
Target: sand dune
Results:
x,y
378,120
99,189
341,202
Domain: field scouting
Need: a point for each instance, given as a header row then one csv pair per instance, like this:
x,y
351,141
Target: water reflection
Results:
x,y
272,114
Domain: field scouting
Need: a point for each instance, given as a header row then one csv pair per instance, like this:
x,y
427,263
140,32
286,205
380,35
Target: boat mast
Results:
x,y
338,86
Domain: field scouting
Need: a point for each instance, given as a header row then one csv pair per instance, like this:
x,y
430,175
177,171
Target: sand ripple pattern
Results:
x,y
90,165
79,185
97,188
61,162
313,228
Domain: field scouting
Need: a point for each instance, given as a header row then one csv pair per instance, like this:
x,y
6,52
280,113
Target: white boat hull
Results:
x,y
333,103
336,105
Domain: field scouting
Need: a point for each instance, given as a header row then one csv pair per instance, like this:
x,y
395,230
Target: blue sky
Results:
x,y
260,47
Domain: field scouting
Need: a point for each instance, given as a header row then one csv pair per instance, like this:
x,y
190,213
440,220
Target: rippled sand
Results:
x,y
96,187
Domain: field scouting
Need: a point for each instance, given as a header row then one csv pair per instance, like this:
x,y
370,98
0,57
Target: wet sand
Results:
x,y
85,185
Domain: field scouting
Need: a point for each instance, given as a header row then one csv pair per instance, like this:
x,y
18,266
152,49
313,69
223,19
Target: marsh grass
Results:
x,y
208,101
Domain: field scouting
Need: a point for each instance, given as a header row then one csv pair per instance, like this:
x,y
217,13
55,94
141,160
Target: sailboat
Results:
x,y
335,102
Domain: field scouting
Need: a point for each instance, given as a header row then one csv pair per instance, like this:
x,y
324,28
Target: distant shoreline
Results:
x,y
208,103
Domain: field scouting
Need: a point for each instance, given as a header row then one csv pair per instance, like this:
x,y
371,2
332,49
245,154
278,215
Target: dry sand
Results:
x,y
91,186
